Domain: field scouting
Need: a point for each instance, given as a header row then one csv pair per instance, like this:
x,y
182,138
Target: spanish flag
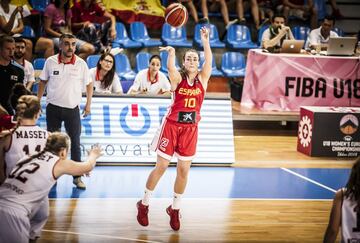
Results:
x,y
150,12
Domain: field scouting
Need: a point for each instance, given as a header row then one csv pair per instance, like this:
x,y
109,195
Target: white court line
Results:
x,y
194,199
308,179
102,236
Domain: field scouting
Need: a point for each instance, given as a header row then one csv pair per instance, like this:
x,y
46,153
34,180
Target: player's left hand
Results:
x,y
204,33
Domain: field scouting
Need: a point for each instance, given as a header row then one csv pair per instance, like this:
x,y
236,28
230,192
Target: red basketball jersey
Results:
x,y
187,98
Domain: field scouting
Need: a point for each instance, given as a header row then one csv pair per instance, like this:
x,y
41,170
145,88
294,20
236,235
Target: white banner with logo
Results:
x,y
125,126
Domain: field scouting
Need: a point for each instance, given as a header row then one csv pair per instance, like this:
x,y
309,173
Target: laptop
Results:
x,y
292,46
341,46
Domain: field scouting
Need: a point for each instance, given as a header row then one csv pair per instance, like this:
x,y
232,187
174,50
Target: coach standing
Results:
x,y
10,72
64,76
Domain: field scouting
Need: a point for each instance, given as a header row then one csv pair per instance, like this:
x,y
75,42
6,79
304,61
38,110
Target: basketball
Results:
x,y
176,15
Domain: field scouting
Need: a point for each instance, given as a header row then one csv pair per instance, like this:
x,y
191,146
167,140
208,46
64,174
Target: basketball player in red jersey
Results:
x,y
179,130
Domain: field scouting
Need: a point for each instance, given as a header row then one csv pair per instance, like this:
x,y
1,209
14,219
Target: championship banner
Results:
x,y
150,12
284,82
329,131
125,126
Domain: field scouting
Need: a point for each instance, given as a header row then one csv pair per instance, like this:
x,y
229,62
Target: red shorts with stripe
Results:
x,y
176,138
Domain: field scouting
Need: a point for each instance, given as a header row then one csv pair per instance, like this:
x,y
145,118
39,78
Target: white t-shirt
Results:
x,y
29,72
316,38
142,84
65,81
8,15
266,36
115,87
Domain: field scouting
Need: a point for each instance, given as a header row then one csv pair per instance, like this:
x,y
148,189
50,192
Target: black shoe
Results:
x,y
204,21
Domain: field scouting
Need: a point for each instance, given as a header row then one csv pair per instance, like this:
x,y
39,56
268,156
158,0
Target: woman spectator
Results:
x,y
58,21
151,80
93,24
103,76
11,23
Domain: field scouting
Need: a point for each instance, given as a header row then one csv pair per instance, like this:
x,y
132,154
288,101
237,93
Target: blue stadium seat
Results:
x,y
214,36
214,70
126,84
261,32
301,32
139,33
92,60
176,37
164,57
28,32
123,68
122,39
339,31
39,5
233,64
39,63
142,61
239,37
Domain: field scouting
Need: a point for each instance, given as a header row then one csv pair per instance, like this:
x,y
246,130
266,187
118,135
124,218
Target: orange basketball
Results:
x,y
176,15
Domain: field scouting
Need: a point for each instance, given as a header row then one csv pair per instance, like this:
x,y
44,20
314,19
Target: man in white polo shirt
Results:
x,y
64,76
321,35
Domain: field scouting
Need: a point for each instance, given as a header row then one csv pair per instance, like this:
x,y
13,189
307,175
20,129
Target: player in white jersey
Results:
x,y
345,212
30,182
27,139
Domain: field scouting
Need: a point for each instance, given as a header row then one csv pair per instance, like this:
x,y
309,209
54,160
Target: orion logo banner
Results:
x,y
124,126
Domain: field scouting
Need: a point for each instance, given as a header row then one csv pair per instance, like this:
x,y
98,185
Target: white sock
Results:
x,y
147,196
176,201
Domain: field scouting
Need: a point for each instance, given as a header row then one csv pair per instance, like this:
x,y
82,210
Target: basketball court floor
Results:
x,y
271,194
221,204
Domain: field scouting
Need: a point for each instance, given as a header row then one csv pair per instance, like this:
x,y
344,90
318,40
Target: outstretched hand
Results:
x,y
204,33
96,150
167,48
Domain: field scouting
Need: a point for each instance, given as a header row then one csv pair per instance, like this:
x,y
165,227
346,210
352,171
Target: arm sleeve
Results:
x,y
44,75
31,77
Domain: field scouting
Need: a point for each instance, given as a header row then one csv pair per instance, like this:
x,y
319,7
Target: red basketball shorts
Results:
x,y
176,138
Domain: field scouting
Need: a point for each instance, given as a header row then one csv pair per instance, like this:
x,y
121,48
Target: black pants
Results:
x,y
55,115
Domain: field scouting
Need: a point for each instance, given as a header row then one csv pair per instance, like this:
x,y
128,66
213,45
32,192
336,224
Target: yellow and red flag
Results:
x,y
150,12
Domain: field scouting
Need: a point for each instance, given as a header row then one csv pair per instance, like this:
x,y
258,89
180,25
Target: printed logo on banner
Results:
x,y
135,113
305,131
349,124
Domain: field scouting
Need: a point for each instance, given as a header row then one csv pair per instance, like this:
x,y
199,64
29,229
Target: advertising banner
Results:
x,y
125,126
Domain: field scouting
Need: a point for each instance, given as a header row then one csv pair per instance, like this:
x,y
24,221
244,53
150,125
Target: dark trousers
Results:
x,y
55,115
